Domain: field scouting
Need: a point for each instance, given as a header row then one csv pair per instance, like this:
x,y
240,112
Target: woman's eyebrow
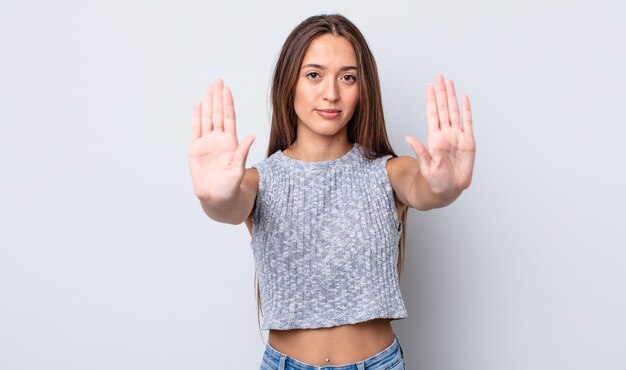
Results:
x,y
319,66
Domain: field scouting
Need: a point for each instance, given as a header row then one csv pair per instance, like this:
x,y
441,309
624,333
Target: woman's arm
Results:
x,y
238,208
440,173
410,186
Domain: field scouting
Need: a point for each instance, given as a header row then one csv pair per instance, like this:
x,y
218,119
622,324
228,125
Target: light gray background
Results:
x,y
108,262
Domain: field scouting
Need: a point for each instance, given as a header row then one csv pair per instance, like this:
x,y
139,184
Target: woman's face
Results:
x,y
327,91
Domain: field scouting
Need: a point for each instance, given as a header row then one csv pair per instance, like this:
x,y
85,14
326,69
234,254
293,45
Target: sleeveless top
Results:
x,y
325,242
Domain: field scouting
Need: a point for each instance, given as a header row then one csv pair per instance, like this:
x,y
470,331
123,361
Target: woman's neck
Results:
x,y
313,152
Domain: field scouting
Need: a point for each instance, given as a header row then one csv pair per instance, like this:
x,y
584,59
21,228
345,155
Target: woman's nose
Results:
x,y
331,93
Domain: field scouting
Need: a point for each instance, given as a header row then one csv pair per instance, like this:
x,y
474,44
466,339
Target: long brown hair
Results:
x,y
367,125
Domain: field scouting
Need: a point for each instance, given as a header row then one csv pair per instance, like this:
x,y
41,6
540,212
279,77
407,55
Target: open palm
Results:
x,y
216,159
447,164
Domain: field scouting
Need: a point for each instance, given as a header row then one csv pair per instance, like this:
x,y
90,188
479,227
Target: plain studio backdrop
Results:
x,y
108,262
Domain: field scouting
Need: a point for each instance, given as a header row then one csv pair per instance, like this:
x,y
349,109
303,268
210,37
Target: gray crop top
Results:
x,y
325,242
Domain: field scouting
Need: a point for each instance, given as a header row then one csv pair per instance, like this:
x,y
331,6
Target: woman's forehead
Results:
x,y
329,50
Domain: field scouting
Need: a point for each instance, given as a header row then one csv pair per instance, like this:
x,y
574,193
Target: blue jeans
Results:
x,y
390,358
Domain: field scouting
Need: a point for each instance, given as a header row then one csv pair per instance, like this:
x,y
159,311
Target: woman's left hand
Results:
x,y
448,162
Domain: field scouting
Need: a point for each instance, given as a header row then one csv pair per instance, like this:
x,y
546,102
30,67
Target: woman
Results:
x,y
326,207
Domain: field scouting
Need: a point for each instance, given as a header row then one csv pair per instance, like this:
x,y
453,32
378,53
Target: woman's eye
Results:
x,y
349,78
313,75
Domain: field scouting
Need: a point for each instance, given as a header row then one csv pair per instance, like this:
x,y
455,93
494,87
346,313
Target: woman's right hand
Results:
x,y
216,160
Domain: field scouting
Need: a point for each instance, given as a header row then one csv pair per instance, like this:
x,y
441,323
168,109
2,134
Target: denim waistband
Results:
x,y
280,360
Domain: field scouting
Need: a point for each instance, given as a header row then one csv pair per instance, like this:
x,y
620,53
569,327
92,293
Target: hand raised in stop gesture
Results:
x,y
448,161
216,159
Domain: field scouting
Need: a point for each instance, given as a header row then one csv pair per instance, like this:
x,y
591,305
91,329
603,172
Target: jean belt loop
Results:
x,y
400,345
360,366
281,365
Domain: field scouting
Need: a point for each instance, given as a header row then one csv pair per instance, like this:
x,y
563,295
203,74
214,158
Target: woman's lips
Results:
x,y
328,113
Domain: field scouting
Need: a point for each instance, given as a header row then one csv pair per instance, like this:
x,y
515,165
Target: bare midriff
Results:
x,y
339,345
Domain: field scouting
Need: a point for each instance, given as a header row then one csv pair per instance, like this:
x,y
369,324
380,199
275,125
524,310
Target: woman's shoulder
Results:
x,y
267,162
251,174
250,184
400,164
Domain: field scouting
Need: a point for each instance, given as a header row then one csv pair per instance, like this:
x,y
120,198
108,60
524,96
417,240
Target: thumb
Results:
x,y
241,154
423,157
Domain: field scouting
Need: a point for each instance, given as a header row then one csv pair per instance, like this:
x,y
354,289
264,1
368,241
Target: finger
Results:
x,y
453,107
467,116
423,157
442,102
431,109
229,112
207,110
218,107
241,154
196,125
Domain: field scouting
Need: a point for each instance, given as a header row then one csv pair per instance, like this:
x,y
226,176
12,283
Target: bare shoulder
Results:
x,y
400,164
250,184
401,171
252,176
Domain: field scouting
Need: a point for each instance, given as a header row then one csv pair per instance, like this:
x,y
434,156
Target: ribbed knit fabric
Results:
x,y
325,241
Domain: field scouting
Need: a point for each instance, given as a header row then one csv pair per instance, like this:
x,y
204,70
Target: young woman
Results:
x,y
327,205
